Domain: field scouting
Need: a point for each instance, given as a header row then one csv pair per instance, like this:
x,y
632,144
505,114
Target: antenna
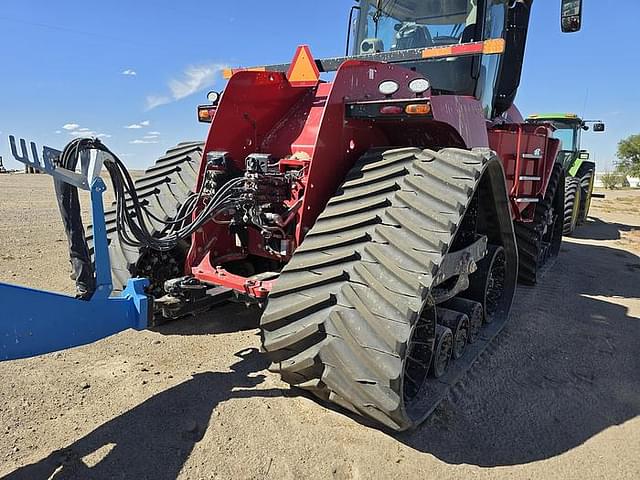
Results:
x,y
586,100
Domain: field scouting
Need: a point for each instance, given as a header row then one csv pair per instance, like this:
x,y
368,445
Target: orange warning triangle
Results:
x,y
303,71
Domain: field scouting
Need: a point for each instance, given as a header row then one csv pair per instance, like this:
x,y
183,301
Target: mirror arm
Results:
x,y
349,27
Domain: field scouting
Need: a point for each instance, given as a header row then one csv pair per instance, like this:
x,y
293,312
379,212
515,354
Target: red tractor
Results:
x,y
381,219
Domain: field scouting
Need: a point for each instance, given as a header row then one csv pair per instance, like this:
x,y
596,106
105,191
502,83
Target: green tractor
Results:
x,y
580,170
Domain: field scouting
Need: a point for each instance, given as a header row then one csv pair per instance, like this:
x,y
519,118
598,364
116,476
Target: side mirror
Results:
x,y
571,16
598,127
352,29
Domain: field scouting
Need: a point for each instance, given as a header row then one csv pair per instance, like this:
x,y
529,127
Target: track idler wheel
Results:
x,y
473,310
442,351
487,284
458,323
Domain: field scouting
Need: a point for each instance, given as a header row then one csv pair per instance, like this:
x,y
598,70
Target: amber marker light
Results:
x,y
418,109
206,113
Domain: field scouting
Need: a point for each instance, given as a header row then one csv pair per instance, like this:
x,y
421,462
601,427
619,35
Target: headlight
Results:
x,y
388,87
213,97
419,85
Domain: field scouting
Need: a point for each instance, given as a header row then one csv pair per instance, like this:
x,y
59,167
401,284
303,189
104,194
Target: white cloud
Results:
x,y
154,101
194,79
76,131
130,72
154,133
136,126
83,133
150,137
142,142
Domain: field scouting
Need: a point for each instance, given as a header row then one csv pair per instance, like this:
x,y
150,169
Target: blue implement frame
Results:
x,y
33,322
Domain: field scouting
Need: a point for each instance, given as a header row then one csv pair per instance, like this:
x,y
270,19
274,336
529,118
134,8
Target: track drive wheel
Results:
x,y
351,318
572,203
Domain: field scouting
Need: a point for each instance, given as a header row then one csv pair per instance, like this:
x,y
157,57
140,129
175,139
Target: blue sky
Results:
x,y
65,64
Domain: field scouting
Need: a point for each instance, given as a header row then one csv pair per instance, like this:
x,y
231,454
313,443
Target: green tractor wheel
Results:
x,y
587,180
572,204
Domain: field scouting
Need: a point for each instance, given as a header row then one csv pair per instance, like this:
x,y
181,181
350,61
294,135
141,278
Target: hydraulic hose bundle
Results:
x,y
134,220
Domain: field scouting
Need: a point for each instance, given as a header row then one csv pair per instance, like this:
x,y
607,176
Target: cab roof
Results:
x,y
555,116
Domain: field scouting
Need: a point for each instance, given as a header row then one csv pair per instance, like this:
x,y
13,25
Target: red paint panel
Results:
x,y
514,143
252,104
465,115
339,142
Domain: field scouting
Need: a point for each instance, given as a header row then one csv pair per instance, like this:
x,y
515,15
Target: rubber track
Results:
x,y
164,187
572,202
339,318
529,234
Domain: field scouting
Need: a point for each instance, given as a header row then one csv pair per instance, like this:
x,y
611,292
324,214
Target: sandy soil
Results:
x,y
556,396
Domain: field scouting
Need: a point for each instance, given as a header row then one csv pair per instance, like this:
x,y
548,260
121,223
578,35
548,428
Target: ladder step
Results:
x,y
527,200
532,178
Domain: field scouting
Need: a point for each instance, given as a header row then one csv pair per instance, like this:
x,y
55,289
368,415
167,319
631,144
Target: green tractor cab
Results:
x,y
576,161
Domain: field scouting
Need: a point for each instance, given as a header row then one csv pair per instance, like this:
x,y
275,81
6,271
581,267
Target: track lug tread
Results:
x,y
386,258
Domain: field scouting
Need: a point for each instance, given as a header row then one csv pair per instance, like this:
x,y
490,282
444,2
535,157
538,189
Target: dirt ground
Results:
x,y
557,395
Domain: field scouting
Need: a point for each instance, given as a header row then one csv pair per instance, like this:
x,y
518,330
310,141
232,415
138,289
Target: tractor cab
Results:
x,y
472,32
568,128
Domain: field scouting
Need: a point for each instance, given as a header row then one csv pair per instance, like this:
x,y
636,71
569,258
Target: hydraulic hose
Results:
x,y
134,220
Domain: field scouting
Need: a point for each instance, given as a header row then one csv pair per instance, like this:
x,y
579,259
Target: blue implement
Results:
x,y
33,322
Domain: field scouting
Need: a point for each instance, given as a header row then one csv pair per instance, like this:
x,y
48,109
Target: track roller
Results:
x,y
473,310
458,323
442,351
486,285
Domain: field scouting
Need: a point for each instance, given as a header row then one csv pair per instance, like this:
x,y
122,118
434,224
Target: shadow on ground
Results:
x,y
154,439
226,318
564,369
596,229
